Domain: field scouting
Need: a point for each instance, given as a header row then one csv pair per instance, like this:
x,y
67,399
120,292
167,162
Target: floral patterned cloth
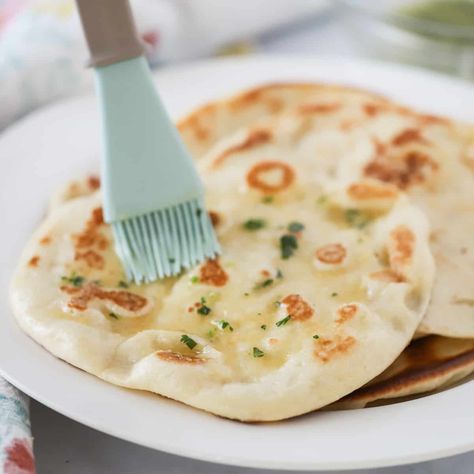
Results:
x,y
16,453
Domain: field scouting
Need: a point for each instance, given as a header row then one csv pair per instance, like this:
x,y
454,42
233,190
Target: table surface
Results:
x,y
63,446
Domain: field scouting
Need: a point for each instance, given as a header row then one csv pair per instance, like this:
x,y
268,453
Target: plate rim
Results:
x,y
239,461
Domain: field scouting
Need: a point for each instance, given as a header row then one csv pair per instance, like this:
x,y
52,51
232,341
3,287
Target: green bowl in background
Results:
x,y
437,34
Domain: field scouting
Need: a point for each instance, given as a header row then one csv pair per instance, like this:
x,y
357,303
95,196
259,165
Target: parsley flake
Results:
x,y
204,310
279,273
194,279
123,284
315,336
254,224
283,321
267,199
113,315
263,284
74,280
222,324
295,227
191,343
334,294
322,199
264,327
288,245
356,218
257,352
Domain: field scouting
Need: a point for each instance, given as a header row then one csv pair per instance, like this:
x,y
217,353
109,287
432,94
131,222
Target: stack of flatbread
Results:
x,y
346,273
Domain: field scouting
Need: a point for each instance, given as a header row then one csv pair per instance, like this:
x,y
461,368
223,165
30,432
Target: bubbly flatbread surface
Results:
x,y
319,287
353,134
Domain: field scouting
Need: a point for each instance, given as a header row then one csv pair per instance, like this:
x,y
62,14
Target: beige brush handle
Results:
x,y
110,31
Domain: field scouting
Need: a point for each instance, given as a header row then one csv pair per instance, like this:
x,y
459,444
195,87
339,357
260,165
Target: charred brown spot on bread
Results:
x,y
430,119
93,182
255,138
326,349
200,132
388,275
409,135
177,357
372,110
366,190
348,124
403,171
332,254
125,299
34,261
380,148
256,181
46,240
199,123
215,218
346,312
91,258
320,108
400,247
211,273
91,237
297,307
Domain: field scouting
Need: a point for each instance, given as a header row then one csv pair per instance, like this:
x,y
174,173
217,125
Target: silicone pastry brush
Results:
x,y
153,197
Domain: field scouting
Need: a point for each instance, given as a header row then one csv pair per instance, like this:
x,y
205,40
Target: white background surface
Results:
x,y
66,447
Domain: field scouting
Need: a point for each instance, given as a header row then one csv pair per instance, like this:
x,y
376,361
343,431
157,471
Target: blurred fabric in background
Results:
x,y
43,53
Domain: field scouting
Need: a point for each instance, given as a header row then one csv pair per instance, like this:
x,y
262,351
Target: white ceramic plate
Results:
x,y
61,141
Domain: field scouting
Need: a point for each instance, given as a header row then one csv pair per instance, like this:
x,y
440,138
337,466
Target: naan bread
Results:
x,y
354,134
427,364
316,292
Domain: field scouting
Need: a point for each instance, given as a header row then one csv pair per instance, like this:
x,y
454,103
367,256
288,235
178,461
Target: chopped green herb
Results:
x,y
123,284
295,227
113,315
246,294
211,333
315,336
254,224
334,294
223,325
203,300
283,321
257,352
263,284
191,343
267,199
204,310
279,273
264,327
288,245
74,280
322,199
198,212
356,218
194,279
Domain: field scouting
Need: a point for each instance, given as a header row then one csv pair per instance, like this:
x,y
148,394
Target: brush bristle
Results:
x,y
163,243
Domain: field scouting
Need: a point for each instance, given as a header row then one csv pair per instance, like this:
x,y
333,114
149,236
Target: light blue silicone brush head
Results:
x,y
153,197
